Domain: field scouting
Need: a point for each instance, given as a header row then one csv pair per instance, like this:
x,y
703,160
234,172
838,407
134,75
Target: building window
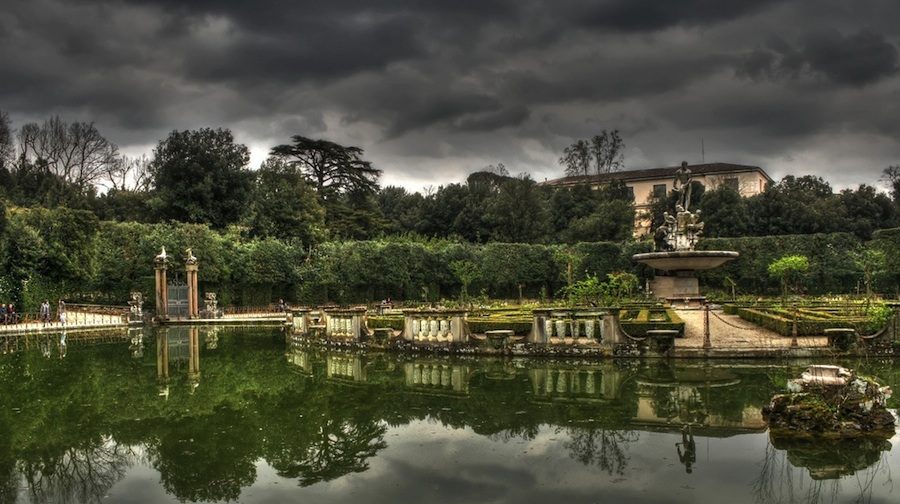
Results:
x,y
733,183
630,192
659,190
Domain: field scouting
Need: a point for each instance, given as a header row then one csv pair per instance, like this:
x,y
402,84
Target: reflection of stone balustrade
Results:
x,y
347,367
575,383
435,326
582,326
440,376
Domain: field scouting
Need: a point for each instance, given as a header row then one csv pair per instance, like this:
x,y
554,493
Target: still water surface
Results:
x,y
245,415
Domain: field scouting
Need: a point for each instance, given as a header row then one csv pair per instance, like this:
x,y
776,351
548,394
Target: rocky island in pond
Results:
x,y
831,401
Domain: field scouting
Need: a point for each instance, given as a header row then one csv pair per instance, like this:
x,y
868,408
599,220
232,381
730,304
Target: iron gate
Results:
x,y
178,301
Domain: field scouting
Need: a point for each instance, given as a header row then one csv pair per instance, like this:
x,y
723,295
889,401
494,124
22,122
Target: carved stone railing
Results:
x,y
300,320
435,326
575,326
346,323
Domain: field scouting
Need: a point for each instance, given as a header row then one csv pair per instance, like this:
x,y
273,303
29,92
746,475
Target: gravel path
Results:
x,y
730,331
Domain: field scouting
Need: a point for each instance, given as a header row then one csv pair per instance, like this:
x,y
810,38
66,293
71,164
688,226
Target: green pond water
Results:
x,y
245,414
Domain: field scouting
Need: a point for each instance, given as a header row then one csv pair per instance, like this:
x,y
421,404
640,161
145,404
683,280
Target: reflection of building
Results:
x,y
649,183
175,346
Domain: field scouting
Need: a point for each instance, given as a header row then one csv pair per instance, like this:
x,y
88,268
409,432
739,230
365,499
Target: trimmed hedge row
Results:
x,y
832,265
805,327
639,325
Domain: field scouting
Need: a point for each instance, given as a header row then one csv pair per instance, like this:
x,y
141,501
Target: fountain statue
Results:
x,y
674,256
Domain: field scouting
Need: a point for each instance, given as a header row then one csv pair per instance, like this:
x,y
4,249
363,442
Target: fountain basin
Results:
x,y
685,260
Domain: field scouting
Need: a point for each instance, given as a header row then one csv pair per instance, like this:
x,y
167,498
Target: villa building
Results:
x,y
653,182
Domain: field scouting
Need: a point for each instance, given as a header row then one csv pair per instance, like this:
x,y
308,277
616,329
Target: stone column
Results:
x,y
193,295
162,286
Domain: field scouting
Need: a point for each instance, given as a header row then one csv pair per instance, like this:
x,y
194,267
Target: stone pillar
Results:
x,y
610,332
191,265
193,295
162,286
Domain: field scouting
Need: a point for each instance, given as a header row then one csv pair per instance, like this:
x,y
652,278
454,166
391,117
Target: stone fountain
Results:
x,y
675,259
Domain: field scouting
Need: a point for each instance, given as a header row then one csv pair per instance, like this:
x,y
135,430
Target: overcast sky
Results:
x,y
435,90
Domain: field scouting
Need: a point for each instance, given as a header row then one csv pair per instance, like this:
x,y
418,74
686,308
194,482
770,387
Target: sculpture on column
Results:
x,y
212,305
682,230
190,267
136,305
162,287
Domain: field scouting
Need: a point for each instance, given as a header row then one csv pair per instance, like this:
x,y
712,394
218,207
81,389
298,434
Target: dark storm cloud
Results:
x,y
643,15
857,59
447,87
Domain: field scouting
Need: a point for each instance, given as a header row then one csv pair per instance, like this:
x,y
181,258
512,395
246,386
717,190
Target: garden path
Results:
x,y
732,332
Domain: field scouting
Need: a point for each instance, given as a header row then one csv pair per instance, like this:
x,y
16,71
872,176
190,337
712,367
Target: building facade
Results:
x,y
649,183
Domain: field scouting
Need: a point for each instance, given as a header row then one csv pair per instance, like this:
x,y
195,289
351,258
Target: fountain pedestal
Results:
x,y
675,279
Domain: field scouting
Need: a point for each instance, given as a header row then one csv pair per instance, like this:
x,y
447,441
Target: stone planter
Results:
x,y
499,339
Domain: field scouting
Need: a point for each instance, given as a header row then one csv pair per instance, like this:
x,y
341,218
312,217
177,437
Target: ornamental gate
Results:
x,y
178,301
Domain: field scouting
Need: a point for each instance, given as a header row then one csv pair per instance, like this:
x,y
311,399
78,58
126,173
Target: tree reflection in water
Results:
x,y
66,425
607,449
339,447
78,474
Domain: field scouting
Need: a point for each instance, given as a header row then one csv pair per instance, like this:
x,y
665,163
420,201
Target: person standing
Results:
x,y
45,312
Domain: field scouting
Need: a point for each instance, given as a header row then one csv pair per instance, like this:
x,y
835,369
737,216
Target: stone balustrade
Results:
x,y
435,326
300,320
78,317
346,324
575,326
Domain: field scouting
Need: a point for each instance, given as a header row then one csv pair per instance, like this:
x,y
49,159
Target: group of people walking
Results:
x,y
47,316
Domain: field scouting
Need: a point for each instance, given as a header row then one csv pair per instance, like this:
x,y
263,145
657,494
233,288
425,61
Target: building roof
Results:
x,y
657,173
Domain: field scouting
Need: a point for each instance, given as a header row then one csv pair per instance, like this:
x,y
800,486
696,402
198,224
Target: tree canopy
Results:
x,y
201,176
332,168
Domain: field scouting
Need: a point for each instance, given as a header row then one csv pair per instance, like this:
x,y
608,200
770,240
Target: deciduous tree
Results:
x,y
201,176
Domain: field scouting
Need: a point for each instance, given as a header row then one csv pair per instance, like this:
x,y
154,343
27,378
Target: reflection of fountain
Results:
x,y
688,457
675,259
683,396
